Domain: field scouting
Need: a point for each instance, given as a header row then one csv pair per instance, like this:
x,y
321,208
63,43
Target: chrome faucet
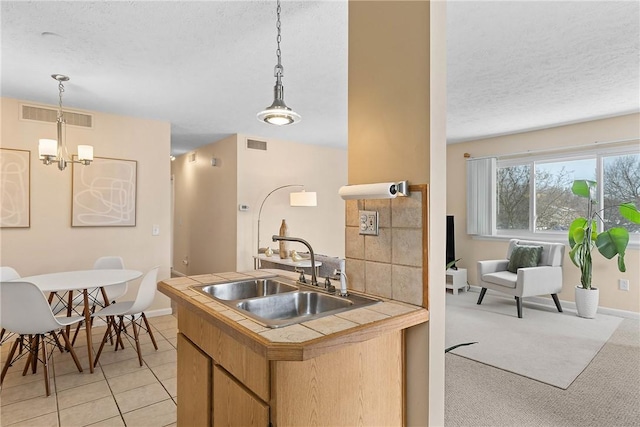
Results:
x,y
314,279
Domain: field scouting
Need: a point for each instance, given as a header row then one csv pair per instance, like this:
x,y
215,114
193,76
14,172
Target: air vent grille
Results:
x,y
191,157
41,114
257,145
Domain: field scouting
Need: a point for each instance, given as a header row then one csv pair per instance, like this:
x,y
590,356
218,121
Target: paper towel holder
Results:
x,y
363,191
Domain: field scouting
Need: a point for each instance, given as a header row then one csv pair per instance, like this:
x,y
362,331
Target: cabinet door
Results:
x,y
194,384
234,405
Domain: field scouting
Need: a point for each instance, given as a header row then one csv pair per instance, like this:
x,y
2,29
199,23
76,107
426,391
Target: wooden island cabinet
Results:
x,y
345,370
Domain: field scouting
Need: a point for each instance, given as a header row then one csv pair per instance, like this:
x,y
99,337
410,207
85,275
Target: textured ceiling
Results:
x,y
520,65
207,67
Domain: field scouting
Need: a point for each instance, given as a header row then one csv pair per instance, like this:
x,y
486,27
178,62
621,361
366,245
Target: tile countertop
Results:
x,y
299,341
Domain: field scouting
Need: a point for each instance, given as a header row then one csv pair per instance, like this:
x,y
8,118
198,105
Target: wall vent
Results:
x,y
254,144
191,157
41,114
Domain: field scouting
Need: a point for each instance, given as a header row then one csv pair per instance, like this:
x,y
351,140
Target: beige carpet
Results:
x,y
544,345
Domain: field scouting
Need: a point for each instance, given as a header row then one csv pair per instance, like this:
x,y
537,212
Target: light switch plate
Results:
x,y
155,230
368,222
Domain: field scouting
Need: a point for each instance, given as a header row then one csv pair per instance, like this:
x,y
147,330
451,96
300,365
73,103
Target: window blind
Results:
x,y
481,197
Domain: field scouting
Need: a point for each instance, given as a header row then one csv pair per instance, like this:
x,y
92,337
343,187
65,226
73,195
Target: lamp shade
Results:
x,y
303,198
85,152
47,147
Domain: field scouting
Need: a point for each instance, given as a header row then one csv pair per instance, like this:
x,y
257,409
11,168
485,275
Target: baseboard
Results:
x,y
566,305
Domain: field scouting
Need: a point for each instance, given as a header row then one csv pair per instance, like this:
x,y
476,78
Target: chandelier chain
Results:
x,y
279,67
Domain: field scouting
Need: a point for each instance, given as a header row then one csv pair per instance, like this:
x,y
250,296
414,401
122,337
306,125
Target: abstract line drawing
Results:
x,y
15,182
104,193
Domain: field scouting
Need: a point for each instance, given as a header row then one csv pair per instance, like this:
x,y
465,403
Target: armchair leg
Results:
x,y
557,301
519,305
482,292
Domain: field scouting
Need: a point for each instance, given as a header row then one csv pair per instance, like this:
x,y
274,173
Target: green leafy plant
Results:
x,y
583,235
452,264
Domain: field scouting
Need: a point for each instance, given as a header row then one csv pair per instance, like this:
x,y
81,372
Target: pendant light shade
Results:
x,y
278,113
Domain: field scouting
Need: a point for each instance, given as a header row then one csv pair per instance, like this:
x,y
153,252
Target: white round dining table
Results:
x,y
82,280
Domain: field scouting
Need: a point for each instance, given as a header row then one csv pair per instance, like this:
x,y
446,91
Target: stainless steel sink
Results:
x,y
246,289
293,304
287,309
278,301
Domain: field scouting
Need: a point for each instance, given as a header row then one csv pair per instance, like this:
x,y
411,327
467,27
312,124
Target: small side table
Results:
x,y
456,279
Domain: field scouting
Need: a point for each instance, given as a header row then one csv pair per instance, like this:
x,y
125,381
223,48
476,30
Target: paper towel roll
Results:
x,y
383,190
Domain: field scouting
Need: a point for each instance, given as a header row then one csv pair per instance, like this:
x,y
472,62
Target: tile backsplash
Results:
x,y
390,264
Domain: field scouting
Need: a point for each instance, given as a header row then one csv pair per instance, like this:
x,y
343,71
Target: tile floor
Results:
x,y
118,393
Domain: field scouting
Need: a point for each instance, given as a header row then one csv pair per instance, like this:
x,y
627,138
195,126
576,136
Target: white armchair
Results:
x,y
543,279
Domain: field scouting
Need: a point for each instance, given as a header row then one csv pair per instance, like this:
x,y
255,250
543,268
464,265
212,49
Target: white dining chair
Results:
x,y
6,274
113,291
134,310
24,310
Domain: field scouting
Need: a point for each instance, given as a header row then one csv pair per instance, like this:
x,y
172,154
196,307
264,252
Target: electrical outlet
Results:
x,y
369,222
623,284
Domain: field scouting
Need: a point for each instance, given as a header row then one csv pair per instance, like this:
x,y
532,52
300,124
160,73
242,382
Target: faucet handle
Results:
x,y
301,279
328,286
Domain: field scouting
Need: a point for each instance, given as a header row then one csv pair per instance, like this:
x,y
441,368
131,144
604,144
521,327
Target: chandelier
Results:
x,y
55,150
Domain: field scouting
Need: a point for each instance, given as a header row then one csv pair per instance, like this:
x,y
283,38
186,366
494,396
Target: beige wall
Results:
x,y
211,232
319,169
393,132
605,272
51,244
205,209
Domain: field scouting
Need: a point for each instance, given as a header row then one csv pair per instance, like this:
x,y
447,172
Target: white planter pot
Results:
x,y
587,301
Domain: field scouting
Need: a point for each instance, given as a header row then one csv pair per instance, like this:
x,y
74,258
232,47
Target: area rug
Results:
x,y
544,345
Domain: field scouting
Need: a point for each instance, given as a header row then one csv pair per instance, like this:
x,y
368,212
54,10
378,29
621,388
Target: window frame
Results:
x,y
531,160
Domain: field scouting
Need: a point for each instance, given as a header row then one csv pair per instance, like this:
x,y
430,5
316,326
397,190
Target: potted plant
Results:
x,y
583,237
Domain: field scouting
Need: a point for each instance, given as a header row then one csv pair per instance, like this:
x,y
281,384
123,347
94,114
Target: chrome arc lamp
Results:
x,y
278,113
301,198
55,150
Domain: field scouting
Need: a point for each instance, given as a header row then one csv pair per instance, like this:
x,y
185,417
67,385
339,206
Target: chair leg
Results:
x,y
7,363
45,362
30,347
519,305
104,340
34,359
70,348
55,338
136,338
146,322
557,301
119,332
482,292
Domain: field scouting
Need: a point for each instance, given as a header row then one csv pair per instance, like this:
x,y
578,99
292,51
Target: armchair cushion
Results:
x,y
524,256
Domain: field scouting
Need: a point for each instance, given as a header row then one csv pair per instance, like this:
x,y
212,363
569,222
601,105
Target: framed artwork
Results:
x,y
104,193
15,188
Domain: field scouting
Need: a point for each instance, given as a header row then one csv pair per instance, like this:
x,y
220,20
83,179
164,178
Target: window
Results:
x,y
621,184
533,195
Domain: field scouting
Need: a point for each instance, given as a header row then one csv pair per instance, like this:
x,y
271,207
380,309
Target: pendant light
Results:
x,y
278,113
55,150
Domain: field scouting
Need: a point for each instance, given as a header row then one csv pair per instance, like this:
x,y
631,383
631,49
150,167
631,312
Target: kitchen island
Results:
x,y
342,370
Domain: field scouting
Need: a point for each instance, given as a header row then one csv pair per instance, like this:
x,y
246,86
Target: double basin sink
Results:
x,y
278,301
